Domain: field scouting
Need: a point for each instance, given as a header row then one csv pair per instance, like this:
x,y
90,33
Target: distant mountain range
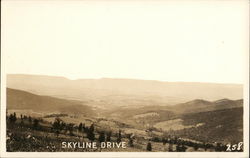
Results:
x,y
199,111
109,93
202,120
21,100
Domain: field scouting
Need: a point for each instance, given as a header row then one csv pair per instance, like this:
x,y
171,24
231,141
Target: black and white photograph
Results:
x,y
129,78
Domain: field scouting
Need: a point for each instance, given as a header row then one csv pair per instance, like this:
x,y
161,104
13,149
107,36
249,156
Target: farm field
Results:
x,y
203,126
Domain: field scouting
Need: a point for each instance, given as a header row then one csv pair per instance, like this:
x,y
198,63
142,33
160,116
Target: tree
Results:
x,y
92,128
30,120
183,148
80,127
90,133
12,118
119,137
70,128
35,123
149,147
170,147
57,133
108,137
57,124
83,127
63,125
25,117
86,130
101,137
131,142
14,115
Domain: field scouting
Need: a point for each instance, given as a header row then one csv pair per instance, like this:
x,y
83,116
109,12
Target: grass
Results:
x,y
26,139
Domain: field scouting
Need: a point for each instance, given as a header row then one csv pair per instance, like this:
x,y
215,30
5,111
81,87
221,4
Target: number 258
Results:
x,y
234,147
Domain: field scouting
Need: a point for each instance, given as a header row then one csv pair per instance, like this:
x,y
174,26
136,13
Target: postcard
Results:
x,y
144,78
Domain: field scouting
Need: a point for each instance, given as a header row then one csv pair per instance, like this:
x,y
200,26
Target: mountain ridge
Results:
x,y
110,78
123,92
22,100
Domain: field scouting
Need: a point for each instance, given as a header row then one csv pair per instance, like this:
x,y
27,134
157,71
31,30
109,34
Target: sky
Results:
x,y
190,41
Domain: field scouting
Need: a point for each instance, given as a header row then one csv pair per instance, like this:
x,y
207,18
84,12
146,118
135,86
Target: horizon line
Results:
x,y
68,78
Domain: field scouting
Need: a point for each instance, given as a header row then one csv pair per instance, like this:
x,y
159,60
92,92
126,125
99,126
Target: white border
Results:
x,y
244,154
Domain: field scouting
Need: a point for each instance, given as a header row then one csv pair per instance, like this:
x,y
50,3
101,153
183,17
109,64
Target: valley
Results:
x,y
165,115
146,123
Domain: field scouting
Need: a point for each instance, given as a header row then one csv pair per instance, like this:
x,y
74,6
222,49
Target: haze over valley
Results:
x,y
198,111
111,93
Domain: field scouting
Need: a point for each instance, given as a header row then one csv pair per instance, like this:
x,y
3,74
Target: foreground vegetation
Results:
x,y
29,134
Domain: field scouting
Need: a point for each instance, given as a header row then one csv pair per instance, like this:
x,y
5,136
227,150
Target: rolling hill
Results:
x,y
170,112
224,125
220,120
21,100
199,105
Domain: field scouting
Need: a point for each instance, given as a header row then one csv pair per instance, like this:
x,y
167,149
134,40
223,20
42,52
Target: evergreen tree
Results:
x,y
12,118
149,147
92,128
57,133
35,123
70,128
108,138
86,130
90,132
62,125
57,124
119,137
80,127
131,142
83,127
30,120
102,137
14,115
91,135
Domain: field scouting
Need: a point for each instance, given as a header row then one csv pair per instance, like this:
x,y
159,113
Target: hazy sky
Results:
x,y
203,41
